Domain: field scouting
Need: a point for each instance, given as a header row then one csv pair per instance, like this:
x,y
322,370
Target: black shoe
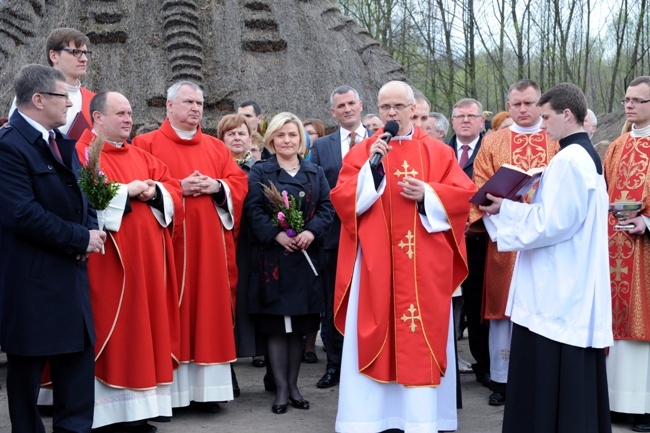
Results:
x,y
235,385
330,378
498,399
139,427
279,408
310,357
269,383
205,406
161,418
641,427
299,404
259,362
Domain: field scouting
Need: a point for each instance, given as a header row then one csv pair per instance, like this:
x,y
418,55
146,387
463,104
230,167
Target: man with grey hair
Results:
x,y
437,126
47,231
467,122
590,124
214,188
328,152
372,121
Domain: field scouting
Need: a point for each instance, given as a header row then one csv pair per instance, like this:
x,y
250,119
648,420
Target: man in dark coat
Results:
x,y
47,231
328,152
467,122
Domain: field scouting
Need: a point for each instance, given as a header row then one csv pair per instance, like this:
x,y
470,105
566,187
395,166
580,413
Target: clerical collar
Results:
x,y
640,132
185,135
526,129
408,136
114,143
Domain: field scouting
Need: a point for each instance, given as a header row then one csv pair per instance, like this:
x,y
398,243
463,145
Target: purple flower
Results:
x,y
291,233
286,198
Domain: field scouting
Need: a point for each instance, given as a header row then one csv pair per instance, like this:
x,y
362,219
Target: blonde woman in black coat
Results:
x,y
284,291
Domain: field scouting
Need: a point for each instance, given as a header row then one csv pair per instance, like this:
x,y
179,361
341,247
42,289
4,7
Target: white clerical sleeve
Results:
x,y
367,195
559,208
227,215
115,210
164,218
435,219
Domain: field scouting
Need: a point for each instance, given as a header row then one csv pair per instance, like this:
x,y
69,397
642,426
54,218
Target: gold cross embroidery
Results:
x,y
625,197
412,318
618,270
406,171
409,243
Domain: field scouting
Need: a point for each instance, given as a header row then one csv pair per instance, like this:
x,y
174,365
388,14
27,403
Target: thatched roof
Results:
x,y
288,55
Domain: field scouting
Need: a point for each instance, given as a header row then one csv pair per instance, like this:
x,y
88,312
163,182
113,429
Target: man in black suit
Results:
x,y
467,123
328,152
46,233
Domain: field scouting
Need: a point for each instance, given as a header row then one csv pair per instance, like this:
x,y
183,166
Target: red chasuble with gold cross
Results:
x,y
407,275
627,170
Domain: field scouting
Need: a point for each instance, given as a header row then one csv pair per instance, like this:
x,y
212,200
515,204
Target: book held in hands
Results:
x,y
508,182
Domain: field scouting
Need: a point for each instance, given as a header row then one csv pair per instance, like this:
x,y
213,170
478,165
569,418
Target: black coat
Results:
x,y
283,283
44,222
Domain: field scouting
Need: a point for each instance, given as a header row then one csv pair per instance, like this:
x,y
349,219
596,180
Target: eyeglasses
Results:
x,y
396,107
77,53
634,101
469,117
60,95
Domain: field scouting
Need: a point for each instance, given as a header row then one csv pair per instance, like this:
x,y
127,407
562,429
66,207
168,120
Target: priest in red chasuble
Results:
x,y
133,287
627,172
214,188
525,145
402,255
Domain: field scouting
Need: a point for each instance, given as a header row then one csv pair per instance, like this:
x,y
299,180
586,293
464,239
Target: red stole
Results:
x,y
407,274
86,96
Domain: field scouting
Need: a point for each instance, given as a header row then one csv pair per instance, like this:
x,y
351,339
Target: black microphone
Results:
x,y
391,128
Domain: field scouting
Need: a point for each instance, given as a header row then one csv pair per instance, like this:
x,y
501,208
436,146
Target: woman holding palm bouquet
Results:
x,y
288,209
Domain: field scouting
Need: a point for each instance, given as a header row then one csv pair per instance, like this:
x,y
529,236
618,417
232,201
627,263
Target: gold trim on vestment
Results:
x,y
119,307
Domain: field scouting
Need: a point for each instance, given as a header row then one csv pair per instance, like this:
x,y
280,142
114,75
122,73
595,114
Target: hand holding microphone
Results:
x,y
379,149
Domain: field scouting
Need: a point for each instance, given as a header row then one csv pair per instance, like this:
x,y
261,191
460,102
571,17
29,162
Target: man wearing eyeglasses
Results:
x,y
401,256
47,231
628,180
67,51
525,145
467,122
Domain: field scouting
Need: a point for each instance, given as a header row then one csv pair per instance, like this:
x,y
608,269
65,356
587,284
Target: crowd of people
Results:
x,y
124,301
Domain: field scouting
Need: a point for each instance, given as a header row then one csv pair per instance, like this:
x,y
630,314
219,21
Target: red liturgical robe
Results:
x,y
525,151
408,274
204,248
133,284
627,172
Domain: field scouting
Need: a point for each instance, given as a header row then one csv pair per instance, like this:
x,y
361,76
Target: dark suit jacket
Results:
x,y
44,222
469,166
282,283
326,153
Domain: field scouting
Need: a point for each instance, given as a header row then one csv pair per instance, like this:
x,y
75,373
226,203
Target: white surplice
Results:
x,y
560,286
